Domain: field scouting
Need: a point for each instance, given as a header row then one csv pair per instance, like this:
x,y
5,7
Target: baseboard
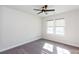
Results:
x,y
63,43
30,40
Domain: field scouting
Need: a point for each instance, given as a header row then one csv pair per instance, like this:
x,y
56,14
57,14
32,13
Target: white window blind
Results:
x,y
56,26
50,26
60,26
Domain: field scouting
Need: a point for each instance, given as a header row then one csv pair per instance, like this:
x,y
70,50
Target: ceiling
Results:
x,y
58,9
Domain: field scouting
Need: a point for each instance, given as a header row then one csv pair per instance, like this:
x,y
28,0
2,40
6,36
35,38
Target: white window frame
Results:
x,y
54,27
50,26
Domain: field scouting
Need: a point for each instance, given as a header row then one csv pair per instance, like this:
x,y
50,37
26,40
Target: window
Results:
x,y
60,26
50,25
56,27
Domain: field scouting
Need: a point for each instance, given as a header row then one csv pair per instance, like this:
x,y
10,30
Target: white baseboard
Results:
x,y
67,43
30,40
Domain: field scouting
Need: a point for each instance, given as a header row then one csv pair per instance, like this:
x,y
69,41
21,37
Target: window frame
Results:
x,y
54,26
59,26
49,26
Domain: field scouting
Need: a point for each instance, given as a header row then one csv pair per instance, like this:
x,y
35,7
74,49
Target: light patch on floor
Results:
x,y
62,51
48,47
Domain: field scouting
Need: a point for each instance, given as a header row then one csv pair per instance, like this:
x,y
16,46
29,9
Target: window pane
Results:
x,y
50,30
60,30
50,23
60,22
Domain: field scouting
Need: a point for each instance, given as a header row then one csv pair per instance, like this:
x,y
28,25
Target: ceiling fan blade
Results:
x,y
50,10
37,9
39,12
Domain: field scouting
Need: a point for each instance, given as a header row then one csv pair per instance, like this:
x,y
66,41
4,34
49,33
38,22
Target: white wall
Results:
x,y
17,28
71,36
0,26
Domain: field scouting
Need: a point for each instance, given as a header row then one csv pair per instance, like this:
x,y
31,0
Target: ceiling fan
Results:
x,y
44,9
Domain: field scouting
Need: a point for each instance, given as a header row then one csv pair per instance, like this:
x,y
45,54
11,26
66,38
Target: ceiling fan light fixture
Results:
x,y
44,9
